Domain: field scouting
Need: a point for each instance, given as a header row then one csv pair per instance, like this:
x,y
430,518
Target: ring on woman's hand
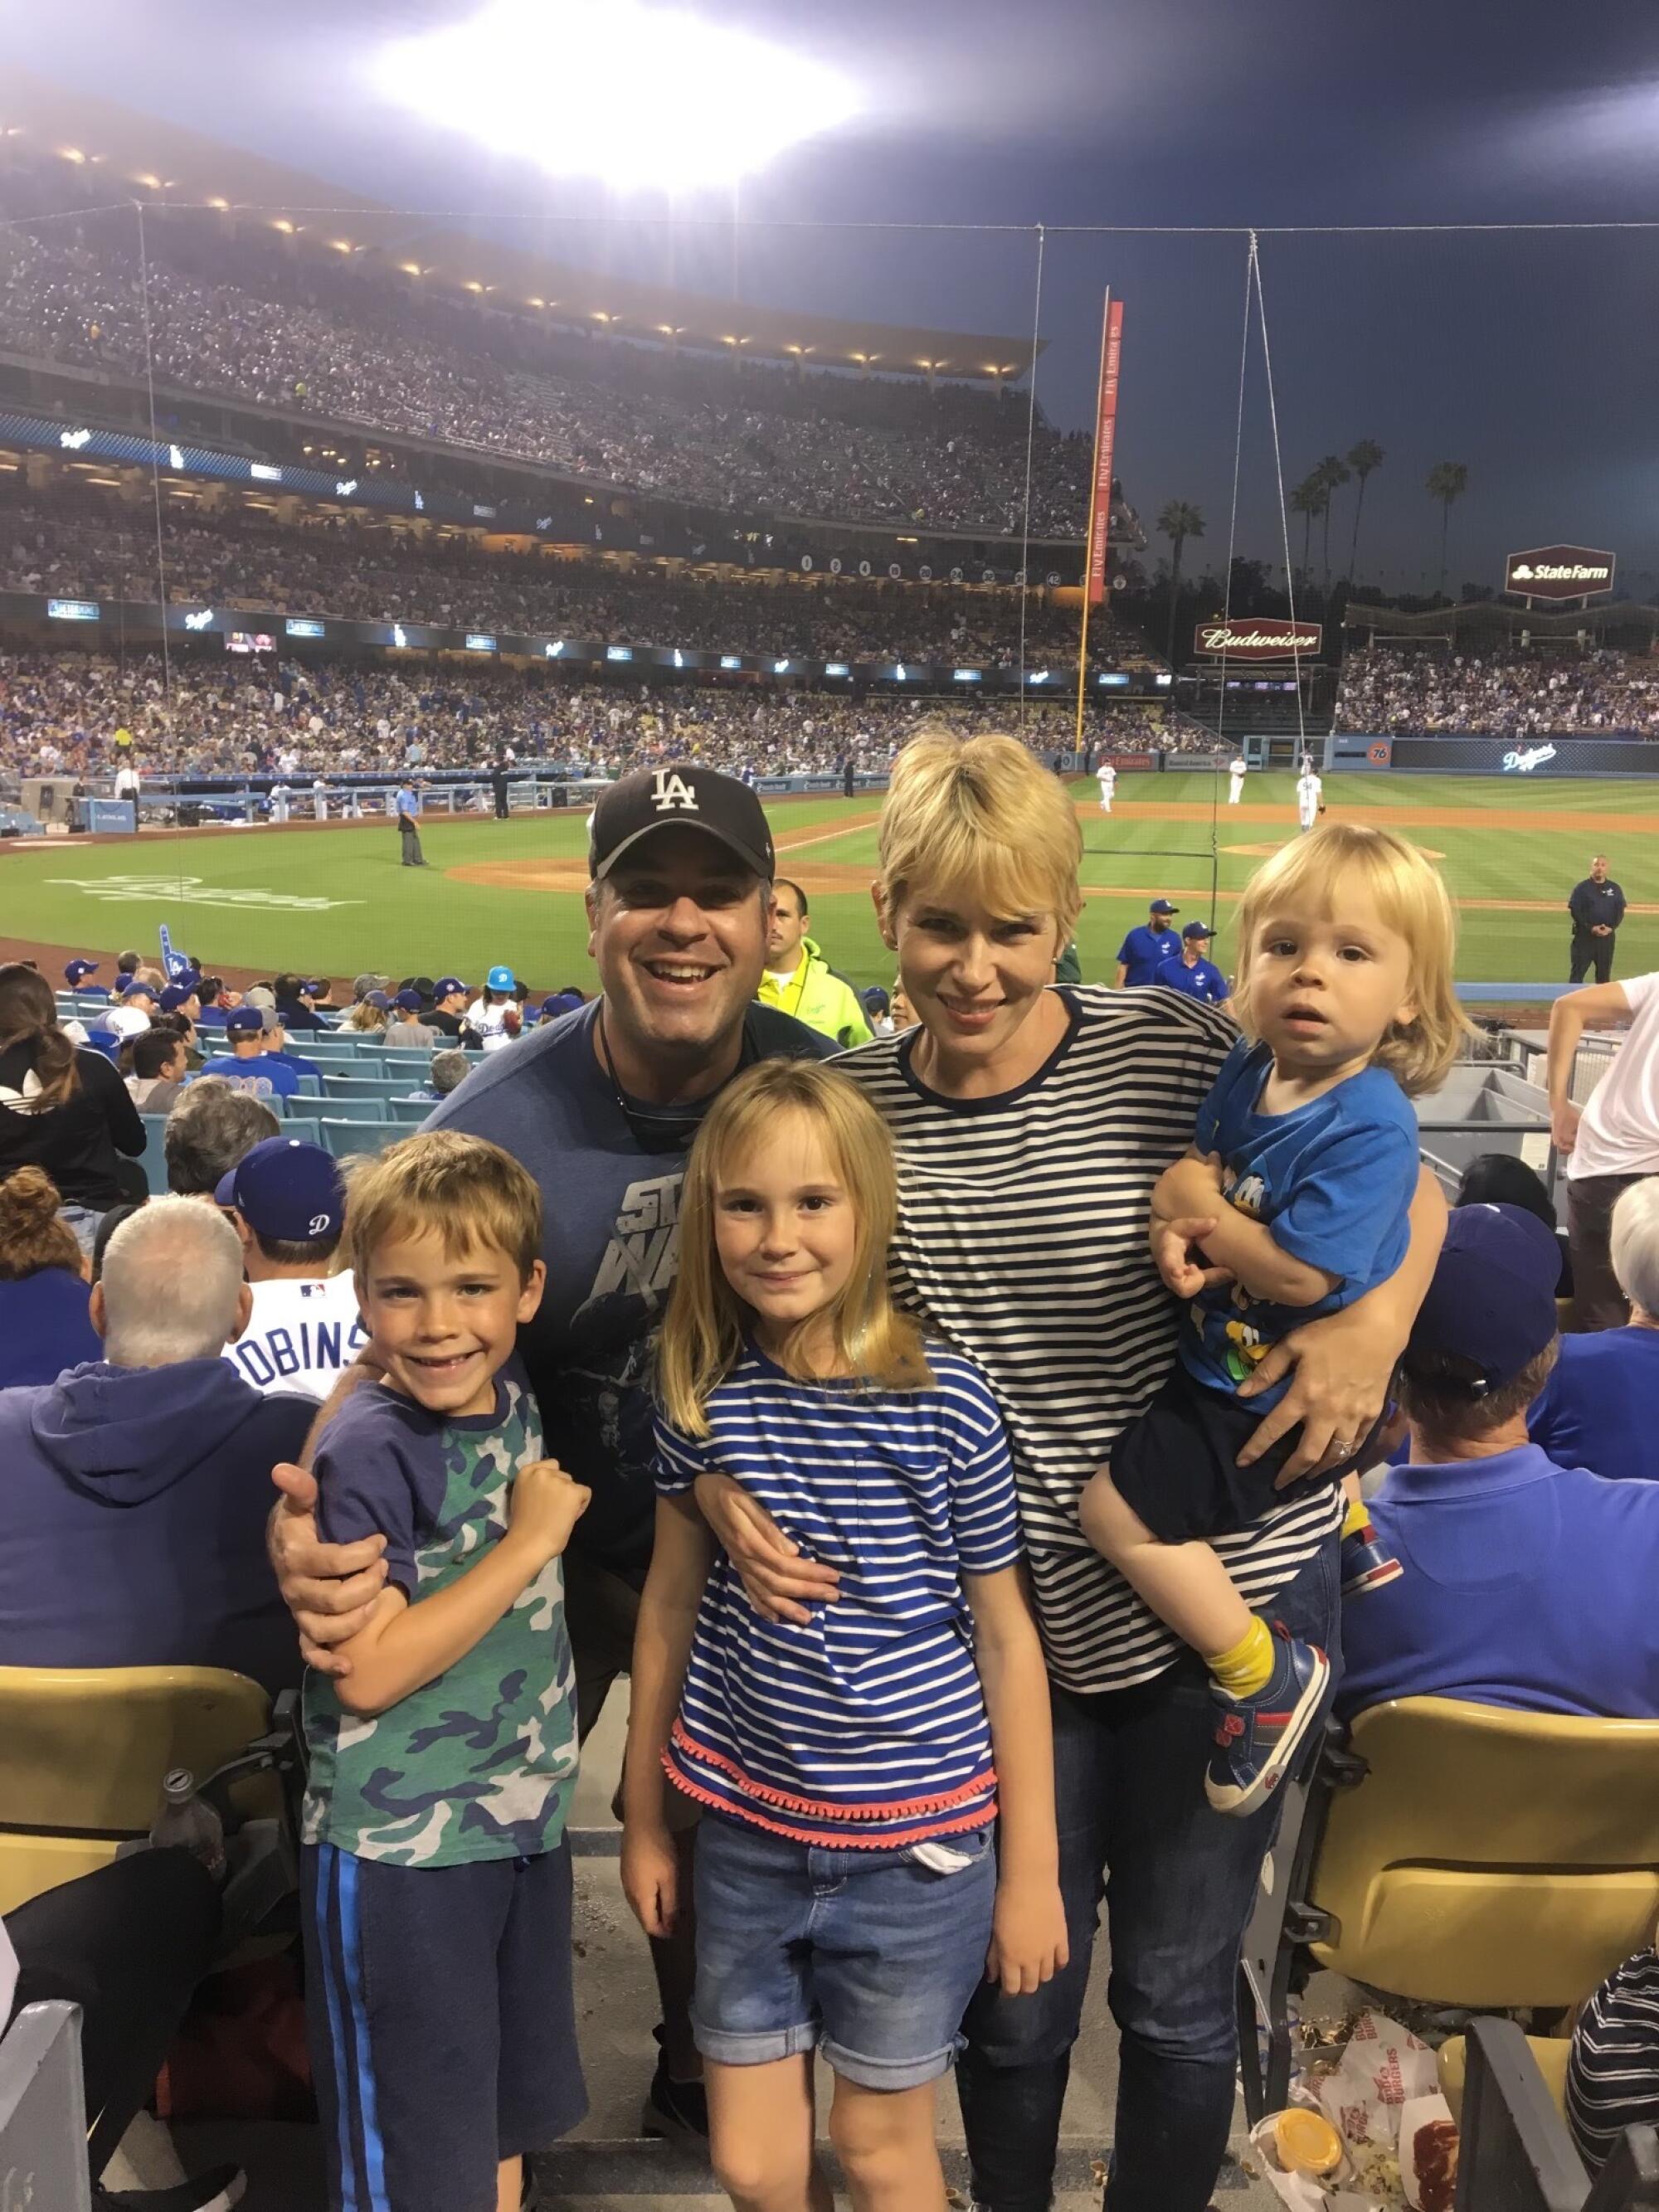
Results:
x,y
1345,1447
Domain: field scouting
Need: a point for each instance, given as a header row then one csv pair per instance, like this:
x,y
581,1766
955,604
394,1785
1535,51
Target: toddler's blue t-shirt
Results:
x,y
1331,1181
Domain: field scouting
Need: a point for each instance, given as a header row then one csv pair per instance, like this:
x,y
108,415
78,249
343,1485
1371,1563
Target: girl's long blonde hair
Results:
x,y
703,1330
1411,899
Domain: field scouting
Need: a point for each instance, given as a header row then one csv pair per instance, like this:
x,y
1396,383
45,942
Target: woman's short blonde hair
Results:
x,y
703,1330
1342,857
982,813
1634,1245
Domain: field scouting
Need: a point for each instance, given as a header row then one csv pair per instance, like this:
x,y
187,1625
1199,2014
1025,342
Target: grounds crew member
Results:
x,y
1597,908
800,981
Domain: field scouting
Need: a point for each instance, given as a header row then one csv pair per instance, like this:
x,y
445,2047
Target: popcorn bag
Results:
x,y
1397,2143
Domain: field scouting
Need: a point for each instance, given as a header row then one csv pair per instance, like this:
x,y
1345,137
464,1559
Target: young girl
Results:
x,y
848,1896
1290,1204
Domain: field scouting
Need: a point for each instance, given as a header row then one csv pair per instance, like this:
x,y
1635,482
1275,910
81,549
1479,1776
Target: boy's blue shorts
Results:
x,y
1176,1463
441,2023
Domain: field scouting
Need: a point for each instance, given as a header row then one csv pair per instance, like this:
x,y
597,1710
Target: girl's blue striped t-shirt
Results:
x,y
866,1726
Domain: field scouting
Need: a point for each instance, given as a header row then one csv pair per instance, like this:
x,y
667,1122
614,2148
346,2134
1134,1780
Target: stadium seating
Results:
x,y
1458,1854
82,1752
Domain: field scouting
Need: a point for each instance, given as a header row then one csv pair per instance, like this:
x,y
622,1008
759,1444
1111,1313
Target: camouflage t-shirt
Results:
x,y
480,1763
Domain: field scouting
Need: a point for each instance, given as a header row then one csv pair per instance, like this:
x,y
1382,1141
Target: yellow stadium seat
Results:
x,y
1456,1853
1549,2054
82,1752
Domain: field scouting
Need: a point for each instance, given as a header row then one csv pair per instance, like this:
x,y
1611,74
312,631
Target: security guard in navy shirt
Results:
x,y
1597,908
1143,950
1192,973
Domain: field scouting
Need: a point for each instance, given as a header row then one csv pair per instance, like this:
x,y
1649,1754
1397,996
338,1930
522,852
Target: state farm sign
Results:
x,y
1262,637
1558,572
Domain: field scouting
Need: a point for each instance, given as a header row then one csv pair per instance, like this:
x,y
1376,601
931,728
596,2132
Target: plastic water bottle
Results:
x,y
187,1822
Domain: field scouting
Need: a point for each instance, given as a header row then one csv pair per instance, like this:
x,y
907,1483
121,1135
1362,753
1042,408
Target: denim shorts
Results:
x,y
866,1955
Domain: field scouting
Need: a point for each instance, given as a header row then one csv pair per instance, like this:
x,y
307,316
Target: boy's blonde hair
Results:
x,y
469,1192
703,1331
1410,899
980,812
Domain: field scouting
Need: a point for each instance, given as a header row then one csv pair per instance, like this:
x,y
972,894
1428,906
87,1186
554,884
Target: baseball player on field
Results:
x,y
1309,792
1237,770
1106,776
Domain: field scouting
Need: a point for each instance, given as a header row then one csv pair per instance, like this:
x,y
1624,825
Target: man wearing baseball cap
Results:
x,y
130,1016
248,1064
287,1203
1522,1583
1199,977
407,1027
448,1007
75,975
601,1108
1143,950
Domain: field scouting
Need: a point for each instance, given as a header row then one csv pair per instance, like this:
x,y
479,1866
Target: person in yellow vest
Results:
x,y
800,981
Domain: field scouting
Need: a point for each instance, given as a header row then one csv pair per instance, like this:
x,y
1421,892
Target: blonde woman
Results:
x,y
1031,1122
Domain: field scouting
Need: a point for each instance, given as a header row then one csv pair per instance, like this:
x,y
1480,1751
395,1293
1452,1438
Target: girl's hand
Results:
x,y
1029,1943
546,1506
1174,1243
780,1584
650,1876
1338,1387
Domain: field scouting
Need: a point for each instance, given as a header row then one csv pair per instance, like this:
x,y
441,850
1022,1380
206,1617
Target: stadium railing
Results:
x,y
42,2110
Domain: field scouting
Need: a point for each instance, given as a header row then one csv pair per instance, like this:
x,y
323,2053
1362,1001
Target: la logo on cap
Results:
x,y
669,789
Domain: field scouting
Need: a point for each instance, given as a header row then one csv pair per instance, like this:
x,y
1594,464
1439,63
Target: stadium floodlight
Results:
x,y
697,106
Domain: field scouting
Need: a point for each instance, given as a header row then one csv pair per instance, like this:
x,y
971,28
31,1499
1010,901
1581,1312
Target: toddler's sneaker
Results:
x,y
1256,1739
1367,1564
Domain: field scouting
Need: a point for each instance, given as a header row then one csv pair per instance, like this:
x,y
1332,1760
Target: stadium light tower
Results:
x,y
646,99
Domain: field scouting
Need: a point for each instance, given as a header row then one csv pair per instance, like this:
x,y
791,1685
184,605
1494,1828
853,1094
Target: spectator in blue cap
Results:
x,y
487,1016
248,1064
287,1203
132,1015
405,1026
182,998
293,996
75,975
447,1012
1144,951
1199,977
1524,1583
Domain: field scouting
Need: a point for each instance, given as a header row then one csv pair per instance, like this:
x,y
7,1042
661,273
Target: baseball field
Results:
x,y
334,901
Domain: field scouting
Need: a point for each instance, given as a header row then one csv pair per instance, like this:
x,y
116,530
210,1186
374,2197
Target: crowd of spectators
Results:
x,y
1399,689
64,713
85,546
228,319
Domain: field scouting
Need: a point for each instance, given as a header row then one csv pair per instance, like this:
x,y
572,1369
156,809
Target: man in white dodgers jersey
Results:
x,y
1309,791
1238,768
287,1203
1106,776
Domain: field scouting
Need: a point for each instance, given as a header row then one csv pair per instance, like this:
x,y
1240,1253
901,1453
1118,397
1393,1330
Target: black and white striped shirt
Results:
x,y
1613,2072
1022,1239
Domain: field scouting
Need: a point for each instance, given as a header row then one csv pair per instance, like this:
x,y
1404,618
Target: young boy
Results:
x,y
435,1879
1297,1191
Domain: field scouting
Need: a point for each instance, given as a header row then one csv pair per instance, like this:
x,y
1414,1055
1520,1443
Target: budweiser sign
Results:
x,y
1264,637
1558,572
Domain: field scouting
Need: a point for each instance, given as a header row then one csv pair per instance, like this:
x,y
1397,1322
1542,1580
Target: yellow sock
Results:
x,y
1246,1668
1356,1520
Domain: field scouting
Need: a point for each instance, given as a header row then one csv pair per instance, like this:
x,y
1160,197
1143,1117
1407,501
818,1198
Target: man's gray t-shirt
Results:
x,y
611,1240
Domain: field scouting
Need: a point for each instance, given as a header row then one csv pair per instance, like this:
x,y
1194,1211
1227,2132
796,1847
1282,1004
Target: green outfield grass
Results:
x,y
335,901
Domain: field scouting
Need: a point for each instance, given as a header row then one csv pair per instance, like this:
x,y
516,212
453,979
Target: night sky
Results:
x,y
1529,356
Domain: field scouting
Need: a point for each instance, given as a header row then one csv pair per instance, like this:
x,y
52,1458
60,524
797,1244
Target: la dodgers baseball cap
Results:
x,y
243,1021
133,988
1198,929
1492,1303
78,971
501,979
680,796
1163,906
407,1001
174,996
285,1189
446,984
379,1001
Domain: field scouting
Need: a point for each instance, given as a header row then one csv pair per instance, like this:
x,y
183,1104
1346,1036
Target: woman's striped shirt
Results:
x,y
867,1726
1612,2070
1021,1240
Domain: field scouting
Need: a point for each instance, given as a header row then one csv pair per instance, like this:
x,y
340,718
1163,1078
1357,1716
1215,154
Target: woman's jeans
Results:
x,y
1180,1883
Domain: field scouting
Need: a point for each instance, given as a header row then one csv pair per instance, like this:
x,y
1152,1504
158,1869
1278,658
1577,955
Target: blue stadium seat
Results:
x,y
311,1087
332,1107
306,1130
153,1159
410,1111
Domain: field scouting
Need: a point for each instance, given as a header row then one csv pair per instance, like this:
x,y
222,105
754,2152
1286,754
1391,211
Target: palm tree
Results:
x,y
1365,456
1179,521
1332,474
1447,481
1308,500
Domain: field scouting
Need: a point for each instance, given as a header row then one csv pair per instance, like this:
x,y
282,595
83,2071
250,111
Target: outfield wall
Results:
x,y
1572,754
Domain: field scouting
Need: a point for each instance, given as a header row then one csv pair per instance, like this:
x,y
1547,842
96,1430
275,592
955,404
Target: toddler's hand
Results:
x,y
1029,1943
546,1506
1176,1249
